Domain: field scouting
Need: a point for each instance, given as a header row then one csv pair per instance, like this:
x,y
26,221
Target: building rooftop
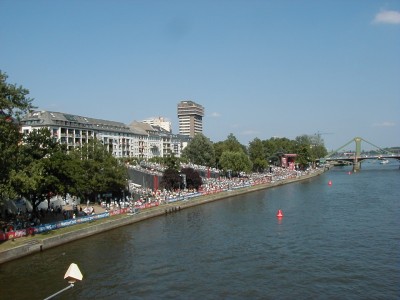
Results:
x,y
49,118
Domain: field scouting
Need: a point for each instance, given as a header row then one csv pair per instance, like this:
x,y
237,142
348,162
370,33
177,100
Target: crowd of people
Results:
x,y
140,196
210,184
25,218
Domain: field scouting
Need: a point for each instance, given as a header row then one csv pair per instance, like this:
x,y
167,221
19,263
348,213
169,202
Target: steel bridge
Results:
x,y
355,158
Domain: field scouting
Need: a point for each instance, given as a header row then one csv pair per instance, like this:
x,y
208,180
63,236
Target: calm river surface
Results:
x,y
334,242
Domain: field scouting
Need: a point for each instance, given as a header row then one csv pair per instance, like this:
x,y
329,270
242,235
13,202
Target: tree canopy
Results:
x,y
257,154
45,168
235,161
230,144
14,102
200,151
101,172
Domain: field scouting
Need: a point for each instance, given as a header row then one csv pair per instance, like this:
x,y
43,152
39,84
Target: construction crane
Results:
x,y
318,134
318,140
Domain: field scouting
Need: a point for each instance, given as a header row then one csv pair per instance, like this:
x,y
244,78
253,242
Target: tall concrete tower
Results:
x,y
190,115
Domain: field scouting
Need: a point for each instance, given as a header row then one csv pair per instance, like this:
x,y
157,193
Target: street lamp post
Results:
x,y
184,181
229,180
183,176
72,275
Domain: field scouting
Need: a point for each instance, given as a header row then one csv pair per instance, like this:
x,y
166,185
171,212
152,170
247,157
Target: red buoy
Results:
x,y
330,182
279,214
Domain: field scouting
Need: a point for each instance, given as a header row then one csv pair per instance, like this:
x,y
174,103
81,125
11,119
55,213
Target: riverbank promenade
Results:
x,y
17,248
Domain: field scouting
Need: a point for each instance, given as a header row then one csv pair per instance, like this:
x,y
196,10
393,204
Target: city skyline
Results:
x,y
260,69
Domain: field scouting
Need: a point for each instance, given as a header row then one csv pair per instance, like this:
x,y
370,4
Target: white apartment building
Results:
x,y
137,140
160,122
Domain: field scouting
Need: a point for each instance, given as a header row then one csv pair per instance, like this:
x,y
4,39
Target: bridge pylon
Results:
x,y
356,163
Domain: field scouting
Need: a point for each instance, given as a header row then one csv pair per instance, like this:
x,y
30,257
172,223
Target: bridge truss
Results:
x,y
356,157
358,141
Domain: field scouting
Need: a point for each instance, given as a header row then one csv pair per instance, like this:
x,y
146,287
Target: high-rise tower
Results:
x,y
190,115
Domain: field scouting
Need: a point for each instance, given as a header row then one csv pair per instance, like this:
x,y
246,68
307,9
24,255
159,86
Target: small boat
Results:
x,y
384,161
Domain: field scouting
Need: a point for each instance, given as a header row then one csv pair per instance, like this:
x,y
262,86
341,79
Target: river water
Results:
x,y
338,241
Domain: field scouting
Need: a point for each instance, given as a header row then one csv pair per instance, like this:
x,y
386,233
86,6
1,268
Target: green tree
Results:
x,y
233,145
318,148
68,168
303,156
101,172
257,155
172,162
157,160
218,149
276,147
33,182
35,176
311,146
235,161
304,140
14,102
9,139
36,145
200,151
230,144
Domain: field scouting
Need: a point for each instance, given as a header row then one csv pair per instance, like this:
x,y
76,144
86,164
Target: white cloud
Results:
x,y
215,115
387,17
384,124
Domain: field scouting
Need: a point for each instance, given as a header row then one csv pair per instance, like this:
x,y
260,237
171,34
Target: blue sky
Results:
x,y
260,68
